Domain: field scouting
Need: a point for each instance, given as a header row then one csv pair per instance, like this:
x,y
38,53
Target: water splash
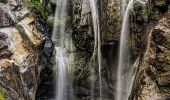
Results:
x,y
64,89
97,35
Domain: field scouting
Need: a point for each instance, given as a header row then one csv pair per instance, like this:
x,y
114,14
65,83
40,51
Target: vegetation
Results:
x,y
1,95
40,8
146,11
167,59
44,9
169,8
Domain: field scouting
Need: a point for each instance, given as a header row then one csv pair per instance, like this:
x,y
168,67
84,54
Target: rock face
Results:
x,y
83,40
21,60
155,75
148,41
152,78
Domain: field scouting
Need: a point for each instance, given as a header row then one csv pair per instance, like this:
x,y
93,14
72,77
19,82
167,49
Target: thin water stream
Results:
x,y
97,35
125,72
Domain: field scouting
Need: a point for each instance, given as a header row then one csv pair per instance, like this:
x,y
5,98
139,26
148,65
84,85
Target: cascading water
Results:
x,y
97,46
63,83
124,73
124,4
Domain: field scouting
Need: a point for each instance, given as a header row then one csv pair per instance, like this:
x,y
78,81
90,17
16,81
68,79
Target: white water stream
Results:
x,y
97,35
124,74
63,84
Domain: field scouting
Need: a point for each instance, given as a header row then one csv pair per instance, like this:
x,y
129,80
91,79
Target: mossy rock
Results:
x,y
167,59
1,95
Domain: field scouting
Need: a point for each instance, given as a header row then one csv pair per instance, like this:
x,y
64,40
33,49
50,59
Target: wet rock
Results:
x,y
48,48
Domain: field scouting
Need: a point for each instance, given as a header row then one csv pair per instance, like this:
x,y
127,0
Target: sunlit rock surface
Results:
x,y
157,77
152,80
21,60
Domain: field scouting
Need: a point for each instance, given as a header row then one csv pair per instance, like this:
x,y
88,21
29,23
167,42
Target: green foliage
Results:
x,y
49,8
45,10
167,59
169,8
146,11
40,8
1,95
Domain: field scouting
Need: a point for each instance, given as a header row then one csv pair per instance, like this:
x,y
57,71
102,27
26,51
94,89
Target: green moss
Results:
x,y
168,58
132,41
146,11
169,8
1,95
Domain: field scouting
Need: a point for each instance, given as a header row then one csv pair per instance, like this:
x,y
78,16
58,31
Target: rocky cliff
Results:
x,y
21,59
148,40
83,39
23,55
152,78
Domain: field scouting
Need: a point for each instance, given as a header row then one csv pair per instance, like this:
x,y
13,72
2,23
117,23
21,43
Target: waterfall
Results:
x,y
63,83
124,73
124,4
97,35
